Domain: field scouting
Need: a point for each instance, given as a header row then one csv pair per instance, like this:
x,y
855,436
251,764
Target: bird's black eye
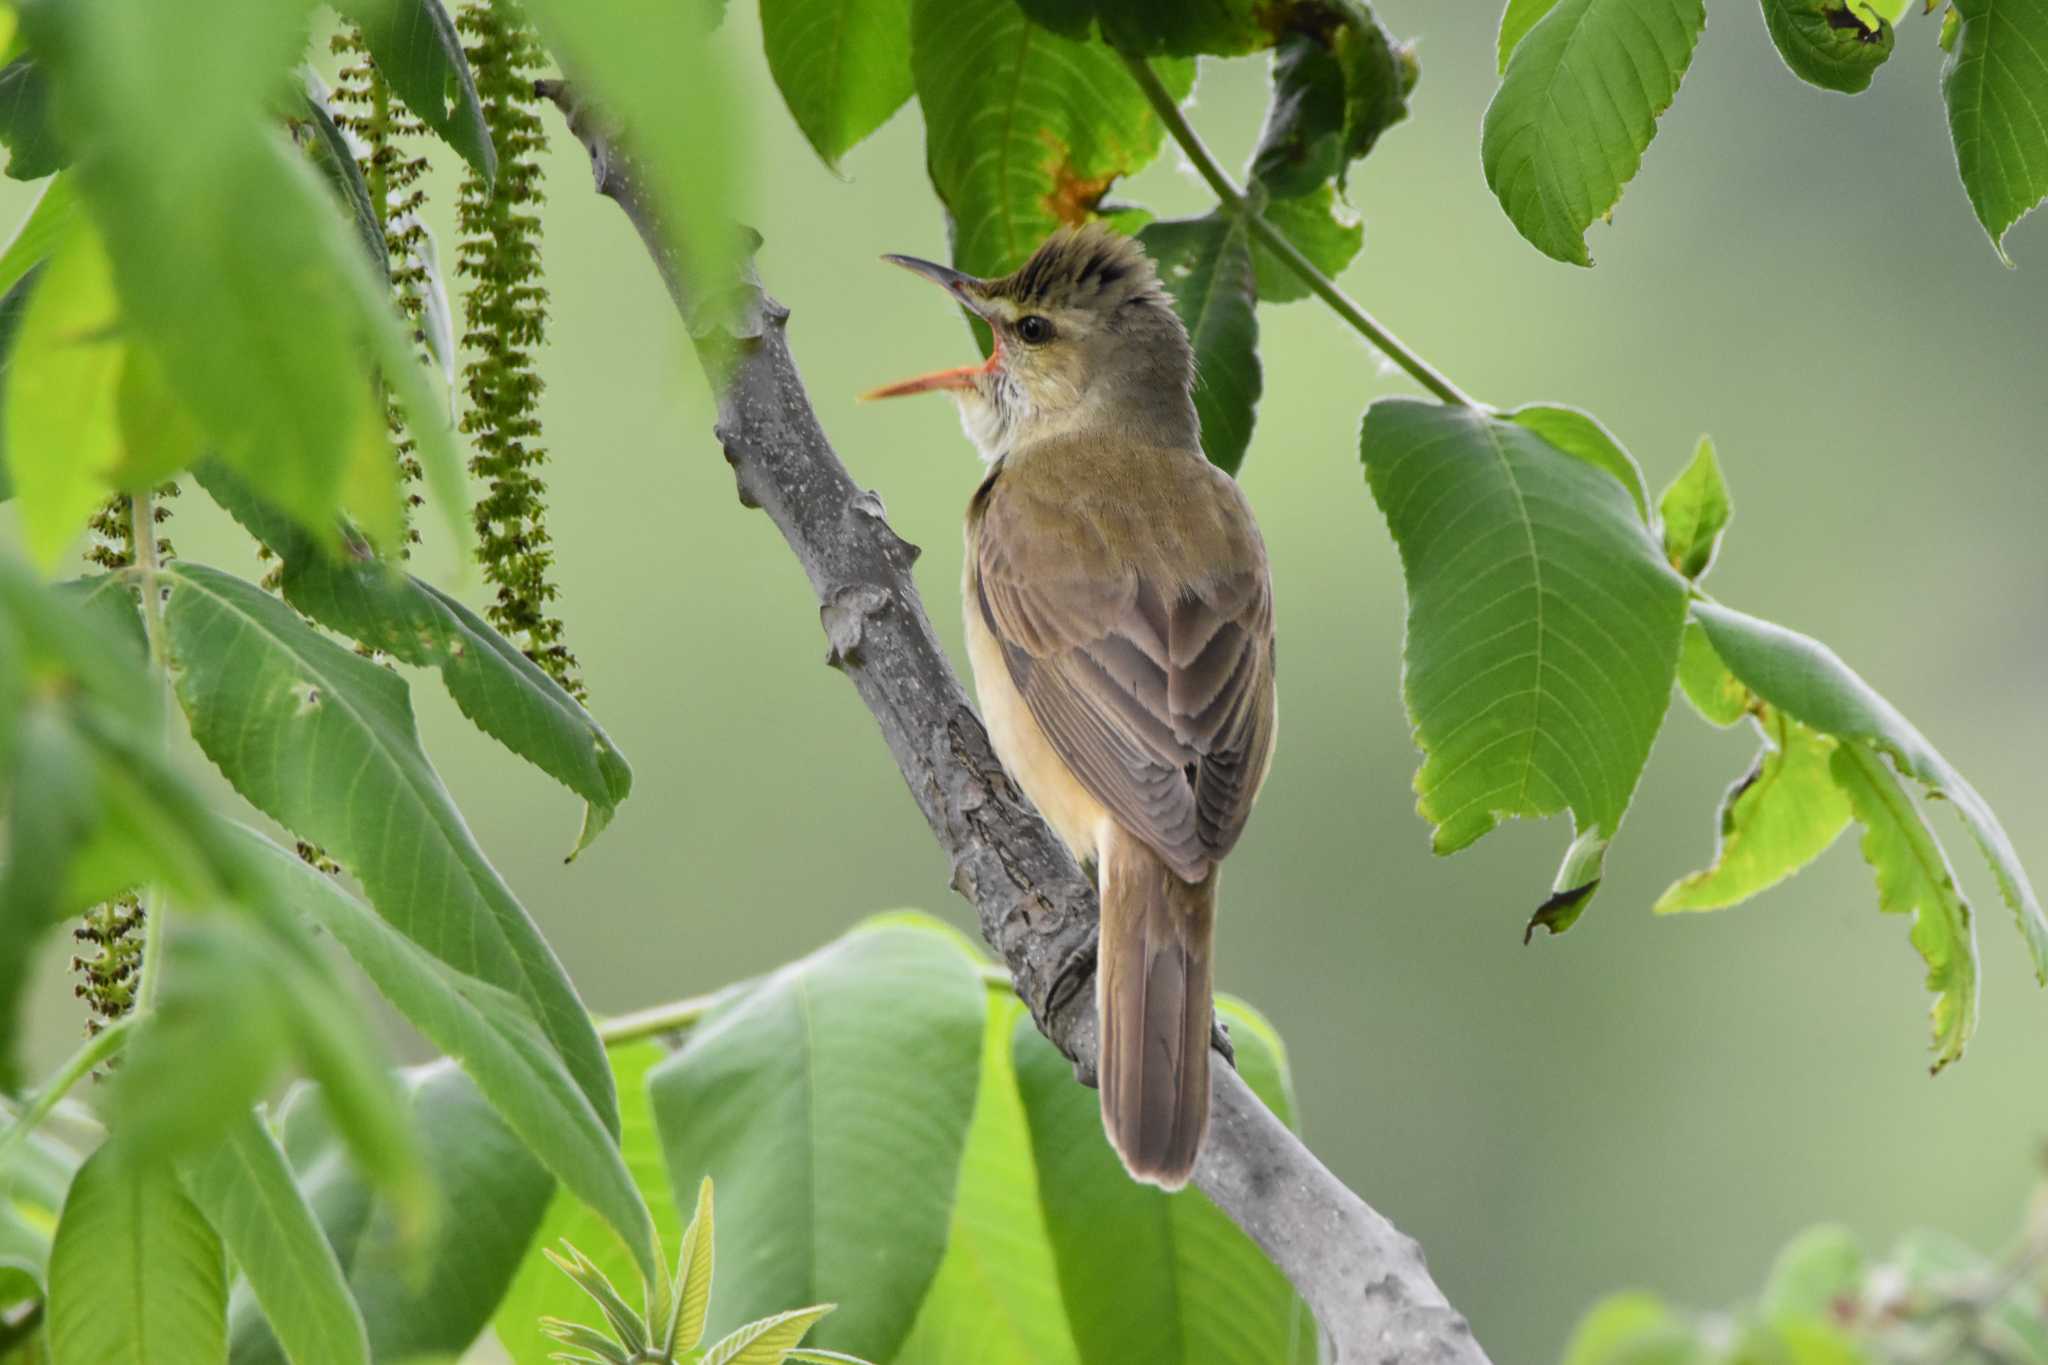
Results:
x,y
1034,330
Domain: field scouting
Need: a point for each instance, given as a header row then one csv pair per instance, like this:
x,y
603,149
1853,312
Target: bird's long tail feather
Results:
x,y
1152,985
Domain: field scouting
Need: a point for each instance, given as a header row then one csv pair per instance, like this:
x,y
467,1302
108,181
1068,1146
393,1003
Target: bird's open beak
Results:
x,y
964,376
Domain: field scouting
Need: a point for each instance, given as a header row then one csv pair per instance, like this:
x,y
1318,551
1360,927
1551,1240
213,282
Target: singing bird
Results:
x,y
1119,620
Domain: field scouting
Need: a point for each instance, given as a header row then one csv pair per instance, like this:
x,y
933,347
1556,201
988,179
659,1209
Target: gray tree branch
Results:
x,y
1364,1280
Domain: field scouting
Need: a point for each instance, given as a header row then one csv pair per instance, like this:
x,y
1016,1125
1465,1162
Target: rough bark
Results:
x,y
1365,1281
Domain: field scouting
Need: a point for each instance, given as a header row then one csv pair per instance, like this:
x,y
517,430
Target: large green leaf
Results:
x,y
415,1299
1206,264
1805,678
35,1175
831,1103
244,1187
843,66
1635,1329
1543,627
1321,228
255,296
1024,129
416,49
491,680
323,741
996,1299
1827,43
1579,103
1166,1279
1778,818
492,1036
136,1275
647,64
1914,878
1995,84
62,432
540,1290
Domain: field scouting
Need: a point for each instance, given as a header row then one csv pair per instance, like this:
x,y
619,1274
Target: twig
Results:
x,y
77,1066
1364,1280
1276,241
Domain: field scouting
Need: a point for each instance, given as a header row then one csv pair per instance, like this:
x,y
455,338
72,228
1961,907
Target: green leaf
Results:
x,y
323,741
1339,82
62,434
234,1005
1778,818
1581,435
647,64
767,1341
1515,22
539,1290
1707,683
1814,1274
996,1298
492,1036
256,297
1695,510
1166,1279
415,1299
1995,84
1577,107
1024,130
32,145
136,1275
1914,878
493,683
1223,28
1827,43
35,1175
689,1304
244,1187
1805,678
328,149
416,49
843,66
1321,228
1206,264
831,1102
47,224
1543,625
1635,1329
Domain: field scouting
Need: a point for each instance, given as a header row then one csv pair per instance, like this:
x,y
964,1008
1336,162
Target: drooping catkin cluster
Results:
x,y
505,320
110,934
384,133
108,965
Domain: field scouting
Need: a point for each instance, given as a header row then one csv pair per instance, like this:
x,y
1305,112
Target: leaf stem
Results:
x,y
155,912
1276,241
678,1016
90,1054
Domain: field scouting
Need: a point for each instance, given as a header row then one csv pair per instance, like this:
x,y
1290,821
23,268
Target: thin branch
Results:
x,y
1276,241
1364,1280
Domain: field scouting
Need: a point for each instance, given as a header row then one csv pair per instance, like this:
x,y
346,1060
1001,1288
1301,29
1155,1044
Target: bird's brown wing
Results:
x,y
1158,695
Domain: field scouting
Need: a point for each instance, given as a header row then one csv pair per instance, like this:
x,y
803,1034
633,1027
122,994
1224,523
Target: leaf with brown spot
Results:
x,y
1025,130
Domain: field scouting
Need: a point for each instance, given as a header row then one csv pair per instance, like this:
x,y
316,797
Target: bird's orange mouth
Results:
x,y
963,378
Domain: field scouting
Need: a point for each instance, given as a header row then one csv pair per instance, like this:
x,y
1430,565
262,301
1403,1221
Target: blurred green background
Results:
x,y
1641,1103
